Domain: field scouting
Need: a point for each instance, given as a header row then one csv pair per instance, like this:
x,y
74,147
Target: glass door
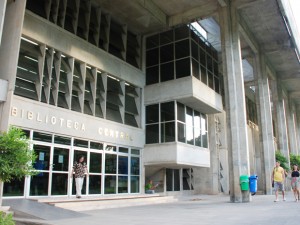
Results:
x,y
78,153
59,171
39,183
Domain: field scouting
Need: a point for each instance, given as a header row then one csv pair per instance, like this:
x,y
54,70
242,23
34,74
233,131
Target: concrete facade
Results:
x,y
119,68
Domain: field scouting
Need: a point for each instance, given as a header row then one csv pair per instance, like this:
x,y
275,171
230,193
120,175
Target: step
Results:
x,y
106,203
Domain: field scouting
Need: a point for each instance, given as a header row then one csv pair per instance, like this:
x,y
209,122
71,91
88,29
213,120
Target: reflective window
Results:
x,y
122,184
37,136
59,184
123,165
96,145
94,184
81,143
135,184
110,163
110,185
39,184
62,140
60,159
14,188
95,162
135,166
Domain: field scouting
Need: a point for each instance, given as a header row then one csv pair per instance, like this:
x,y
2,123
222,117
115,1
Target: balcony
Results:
x,y
187,90
176,155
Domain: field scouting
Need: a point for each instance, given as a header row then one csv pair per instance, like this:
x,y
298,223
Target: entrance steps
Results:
x,y
94,203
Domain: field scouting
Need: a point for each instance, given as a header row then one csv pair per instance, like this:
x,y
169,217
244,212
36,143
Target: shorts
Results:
x,y
295,183
278,186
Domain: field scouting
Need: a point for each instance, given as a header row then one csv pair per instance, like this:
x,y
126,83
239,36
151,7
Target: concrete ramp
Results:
x,y
34,210
88,203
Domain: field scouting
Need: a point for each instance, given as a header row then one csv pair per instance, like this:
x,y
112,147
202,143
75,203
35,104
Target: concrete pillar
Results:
x,y
238,151
9,53
290,112
297,121
265,123
2,16
281,124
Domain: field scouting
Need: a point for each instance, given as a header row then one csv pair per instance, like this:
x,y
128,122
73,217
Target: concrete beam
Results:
x,y
247,35
206,10
154,10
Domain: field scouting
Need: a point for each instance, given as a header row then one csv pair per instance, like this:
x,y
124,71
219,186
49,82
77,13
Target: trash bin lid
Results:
x,y
244,177
253,176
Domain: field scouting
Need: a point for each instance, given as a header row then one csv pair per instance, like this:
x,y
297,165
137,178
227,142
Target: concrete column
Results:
x,y
9,53
297,121
281,124
238,151
265,123
2,16
290,113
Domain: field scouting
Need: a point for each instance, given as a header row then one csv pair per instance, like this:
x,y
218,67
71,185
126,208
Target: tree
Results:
x,y
16,157
294,160
282,159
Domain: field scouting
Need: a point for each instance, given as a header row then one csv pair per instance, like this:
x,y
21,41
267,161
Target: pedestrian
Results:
x,y
80,171
150,187
278,177
295,182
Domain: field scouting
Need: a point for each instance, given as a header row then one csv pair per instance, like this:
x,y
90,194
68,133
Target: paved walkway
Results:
x,y
200,210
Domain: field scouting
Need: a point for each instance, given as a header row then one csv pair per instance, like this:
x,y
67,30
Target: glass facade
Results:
x,y
162,118
112,169
178,53
74,85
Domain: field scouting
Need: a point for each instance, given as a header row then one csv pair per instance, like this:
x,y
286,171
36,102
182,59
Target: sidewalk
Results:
x,y
197,209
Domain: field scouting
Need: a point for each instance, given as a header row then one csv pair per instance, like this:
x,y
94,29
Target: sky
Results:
x,y
295,4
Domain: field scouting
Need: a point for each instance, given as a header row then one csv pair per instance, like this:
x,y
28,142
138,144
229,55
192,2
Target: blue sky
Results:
x,y
295,4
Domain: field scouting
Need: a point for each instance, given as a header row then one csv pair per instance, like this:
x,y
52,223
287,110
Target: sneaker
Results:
x,y
276,200
284,199
296,200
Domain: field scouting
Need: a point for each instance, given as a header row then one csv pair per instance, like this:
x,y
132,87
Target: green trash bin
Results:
x,y
244,182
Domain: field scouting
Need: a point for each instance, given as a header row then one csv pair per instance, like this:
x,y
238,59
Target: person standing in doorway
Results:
x,y
278,177
295,182
79,170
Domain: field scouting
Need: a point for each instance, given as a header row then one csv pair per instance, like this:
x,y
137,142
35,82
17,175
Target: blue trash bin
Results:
x,y
253,183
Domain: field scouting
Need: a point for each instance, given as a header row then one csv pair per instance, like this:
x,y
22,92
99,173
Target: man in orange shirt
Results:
x,y
278,177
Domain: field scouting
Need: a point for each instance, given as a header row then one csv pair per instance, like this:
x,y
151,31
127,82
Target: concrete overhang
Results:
x,y
176,155
187,90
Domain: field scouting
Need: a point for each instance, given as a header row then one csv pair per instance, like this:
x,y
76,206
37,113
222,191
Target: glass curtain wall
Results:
x,y
112,169
161,122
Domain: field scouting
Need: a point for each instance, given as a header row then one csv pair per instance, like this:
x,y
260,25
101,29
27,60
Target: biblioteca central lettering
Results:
x,y
65,123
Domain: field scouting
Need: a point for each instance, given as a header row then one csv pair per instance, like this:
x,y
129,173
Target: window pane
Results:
x,y
180,112
168,132
181,132
135,151
197,137
95,162
169,179
37,136
111,148
176,180
59,184
123,165
96,145
152,134
152,57
39,184
152,75
152,115
189,126
122,184
43,157
167,71
113,112
135,184
110,185
167,111
183,68
81,143
62,140
196,119
182,49
14,188
166,53
60,159
166,37
110,163
130,120
94,184
124,150
152,41
135,166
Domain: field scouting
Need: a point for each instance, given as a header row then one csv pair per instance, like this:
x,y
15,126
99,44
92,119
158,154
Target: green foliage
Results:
x,y
294,160
6,219
16,157
282,159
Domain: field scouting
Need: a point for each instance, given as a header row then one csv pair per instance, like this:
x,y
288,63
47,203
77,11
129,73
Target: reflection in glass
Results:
x,y
135,151
135,184
59,184
167,111
14,188
61,159
152,133
167,132
135,166
43,157
96,145
111,148
189,126
123,184
123,165
39,184
81,143
152,115
181,132
123,150
37,136
110,185
110,163
94,184
95,162
62,140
